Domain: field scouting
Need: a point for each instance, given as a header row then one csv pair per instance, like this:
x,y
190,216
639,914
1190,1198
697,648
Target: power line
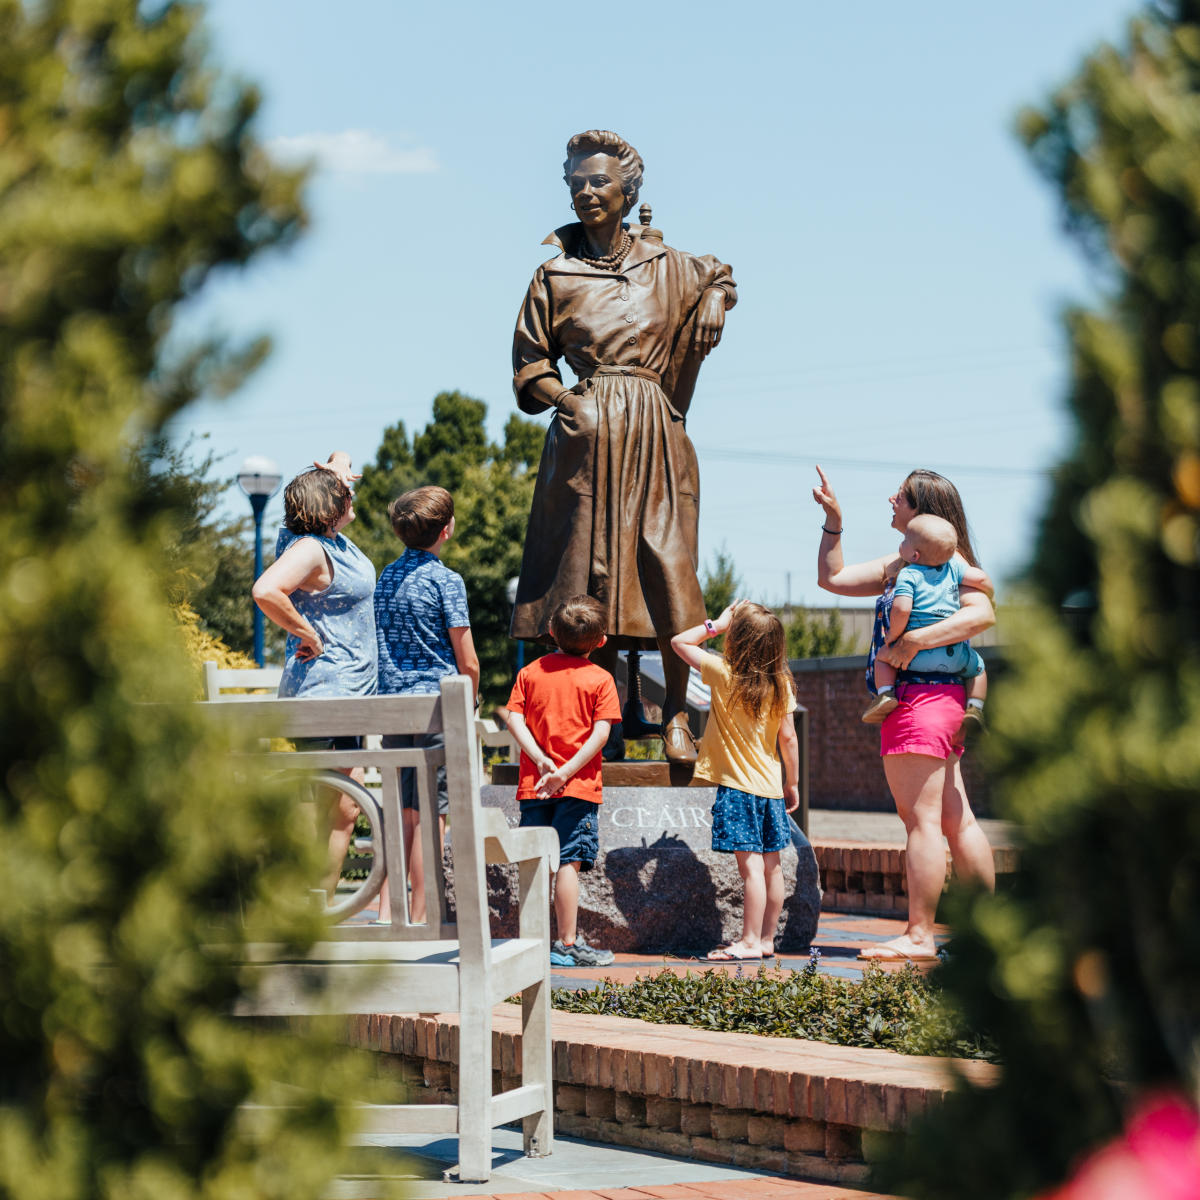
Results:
x,y
791,460
906,361
868,371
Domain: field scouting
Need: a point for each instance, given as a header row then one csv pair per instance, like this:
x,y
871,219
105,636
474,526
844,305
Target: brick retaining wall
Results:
x,y
844,767
775,1104
867,877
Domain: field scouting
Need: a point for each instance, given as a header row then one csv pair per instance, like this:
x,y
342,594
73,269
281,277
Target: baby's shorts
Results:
x,y
577,823
975,664
960,658
408,775
742,821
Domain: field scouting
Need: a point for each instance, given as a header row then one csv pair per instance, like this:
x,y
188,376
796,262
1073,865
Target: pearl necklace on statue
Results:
x,y
610,262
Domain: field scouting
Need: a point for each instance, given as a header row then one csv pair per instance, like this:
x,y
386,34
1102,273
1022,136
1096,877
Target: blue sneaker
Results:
x,y
560,957
579,955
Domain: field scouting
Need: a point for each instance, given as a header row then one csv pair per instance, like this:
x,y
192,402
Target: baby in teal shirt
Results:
x,y
927,591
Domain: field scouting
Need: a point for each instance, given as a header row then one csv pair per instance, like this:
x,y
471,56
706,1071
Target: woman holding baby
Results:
x,y
920,737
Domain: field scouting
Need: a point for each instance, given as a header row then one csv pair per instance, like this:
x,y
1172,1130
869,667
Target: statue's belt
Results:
x,y
640,372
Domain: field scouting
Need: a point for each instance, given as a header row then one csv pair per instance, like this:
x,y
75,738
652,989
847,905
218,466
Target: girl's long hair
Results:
x,y
755,649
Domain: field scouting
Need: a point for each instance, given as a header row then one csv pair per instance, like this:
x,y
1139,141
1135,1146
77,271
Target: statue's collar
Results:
x,y
568,237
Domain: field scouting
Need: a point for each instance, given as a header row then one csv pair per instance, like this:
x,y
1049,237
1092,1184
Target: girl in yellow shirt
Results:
x,y
749,734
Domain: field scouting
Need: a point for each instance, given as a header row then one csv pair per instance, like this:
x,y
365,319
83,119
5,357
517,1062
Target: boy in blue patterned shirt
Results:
x,y
424,634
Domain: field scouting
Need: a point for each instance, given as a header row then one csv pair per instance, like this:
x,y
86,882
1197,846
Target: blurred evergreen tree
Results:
x,y
208,559
813,634
720,582
129,172
492,488
1087,974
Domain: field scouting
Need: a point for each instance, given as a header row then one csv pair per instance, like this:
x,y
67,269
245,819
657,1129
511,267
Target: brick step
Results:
x,y
868,877
799,1108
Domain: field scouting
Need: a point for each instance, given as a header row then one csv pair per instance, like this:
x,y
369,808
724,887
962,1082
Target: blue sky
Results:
x,y
900,266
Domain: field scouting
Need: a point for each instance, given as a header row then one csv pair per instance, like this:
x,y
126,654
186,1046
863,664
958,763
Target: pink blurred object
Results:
x,y
1158,1158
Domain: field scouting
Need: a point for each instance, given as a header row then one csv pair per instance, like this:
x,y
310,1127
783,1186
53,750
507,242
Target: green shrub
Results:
x,y
903,1010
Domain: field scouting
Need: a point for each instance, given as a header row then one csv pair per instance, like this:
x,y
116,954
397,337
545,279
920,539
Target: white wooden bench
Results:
x,y
220,680
439,966
230,683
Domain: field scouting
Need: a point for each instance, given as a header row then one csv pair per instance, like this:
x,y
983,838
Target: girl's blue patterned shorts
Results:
x,y
741,821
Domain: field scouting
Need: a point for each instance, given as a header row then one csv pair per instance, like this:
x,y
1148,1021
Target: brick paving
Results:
x,y
840,936
765,1188
582,1170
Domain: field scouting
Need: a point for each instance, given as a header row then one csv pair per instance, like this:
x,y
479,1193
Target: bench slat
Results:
x,y
371,1120
374,1120
518,1102
293,989
337,717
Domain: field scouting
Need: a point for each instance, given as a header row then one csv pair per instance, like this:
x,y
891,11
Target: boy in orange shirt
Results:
x,y
560,712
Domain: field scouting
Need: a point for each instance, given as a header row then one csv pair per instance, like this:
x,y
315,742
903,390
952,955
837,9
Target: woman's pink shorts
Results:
x,y
927,718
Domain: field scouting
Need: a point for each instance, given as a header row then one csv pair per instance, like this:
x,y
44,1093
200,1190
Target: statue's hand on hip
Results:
x,y
710,321
568,393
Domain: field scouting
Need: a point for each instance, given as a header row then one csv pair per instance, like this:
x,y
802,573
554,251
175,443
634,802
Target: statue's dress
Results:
x,y
616,505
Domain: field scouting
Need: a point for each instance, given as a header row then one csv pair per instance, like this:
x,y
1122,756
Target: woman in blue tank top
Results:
x,y
320,589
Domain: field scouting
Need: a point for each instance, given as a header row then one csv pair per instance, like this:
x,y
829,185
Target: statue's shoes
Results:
x,y
678,743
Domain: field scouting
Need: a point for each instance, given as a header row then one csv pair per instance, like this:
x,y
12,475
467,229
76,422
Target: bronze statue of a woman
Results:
x,y
616,505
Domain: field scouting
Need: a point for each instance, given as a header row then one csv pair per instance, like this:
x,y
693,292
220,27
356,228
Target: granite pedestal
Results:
x,y
657,886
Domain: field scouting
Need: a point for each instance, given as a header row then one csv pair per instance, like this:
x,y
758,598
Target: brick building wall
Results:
x,y
845,770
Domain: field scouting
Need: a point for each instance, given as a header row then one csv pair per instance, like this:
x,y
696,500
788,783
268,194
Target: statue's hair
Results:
x,y
604,141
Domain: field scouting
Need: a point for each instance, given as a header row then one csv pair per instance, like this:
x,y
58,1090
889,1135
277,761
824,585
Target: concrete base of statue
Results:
x,y
658,886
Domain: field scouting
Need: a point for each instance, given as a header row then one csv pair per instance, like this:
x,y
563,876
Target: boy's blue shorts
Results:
x,y
741,821
577,823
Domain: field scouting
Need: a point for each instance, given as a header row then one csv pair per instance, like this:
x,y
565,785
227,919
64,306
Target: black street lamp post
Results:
x,y
511,591
259,478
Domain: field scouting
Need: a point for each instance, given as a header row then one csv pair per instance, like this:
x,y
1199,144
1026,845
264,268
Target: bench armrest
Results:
x,y
503,844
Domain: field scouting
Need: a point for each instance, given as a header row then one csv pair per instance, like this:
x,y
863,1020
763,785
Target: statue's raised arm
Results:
x,y
616,506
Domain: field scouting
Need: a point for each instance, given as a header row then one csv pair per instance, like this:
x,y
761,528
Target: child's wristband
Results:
x,y
710,628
